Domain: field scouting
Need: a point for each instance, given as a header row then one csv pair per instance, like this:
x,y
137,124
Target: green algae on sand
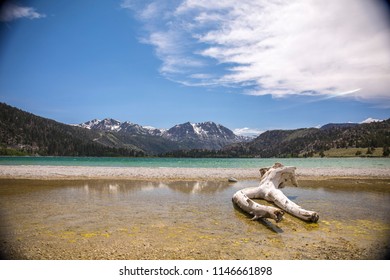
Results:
x,y
188,220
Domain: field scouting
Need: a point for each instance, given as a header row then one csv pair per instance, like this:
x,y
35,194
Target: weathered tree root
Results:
x,y
273,179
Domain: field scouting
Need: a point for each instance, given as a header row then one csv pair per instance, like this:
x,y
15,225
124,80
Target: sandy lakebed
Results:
x,y
55,212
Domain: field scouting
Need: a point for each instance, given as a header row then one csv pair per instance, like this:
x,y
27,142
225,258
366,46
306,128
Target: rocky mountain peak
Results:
x,y
106,124
202,131
188,135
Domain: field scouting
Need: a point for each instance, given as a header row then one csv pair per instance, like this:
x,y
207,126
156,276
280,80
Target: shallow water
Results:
x,y
188,220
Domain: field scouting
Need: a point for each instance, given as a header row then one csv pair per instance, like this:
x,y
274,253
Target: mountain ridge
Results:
x,y
188,135
310,141
24,133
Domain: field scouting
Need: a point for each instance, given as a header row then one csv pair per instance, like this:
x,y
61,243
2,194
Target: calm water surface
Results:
x,y
189,220
198,163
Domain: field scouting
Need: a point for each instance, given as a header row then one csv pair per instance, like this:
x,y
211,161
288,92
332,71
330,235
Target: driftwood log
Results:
x,y
273,179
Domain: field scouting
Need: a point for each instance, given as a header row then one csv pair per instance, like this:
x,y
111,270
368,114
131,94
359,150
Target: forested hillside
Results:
x,y
307,142
25,133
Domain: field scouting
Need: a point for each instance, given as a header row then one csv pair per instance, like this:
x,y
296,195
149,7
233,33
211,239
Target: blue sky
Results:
x,y
257,65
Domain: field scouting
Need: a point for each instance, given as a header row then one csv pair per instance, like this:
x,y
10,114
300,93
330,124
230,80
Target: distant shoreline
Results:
x,y
40,172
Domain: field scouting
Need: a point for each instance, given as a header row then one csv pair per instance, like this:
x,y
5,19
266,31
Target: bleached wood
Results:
x,y
273,179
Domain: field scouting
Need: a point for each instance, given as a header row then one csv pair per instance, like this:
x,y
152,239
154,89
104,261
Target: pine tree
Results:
x,y
386,151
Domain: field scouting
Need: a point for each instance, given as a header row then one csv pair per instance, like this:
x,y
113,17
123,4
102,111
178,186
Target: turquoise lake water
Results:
x,y
198,162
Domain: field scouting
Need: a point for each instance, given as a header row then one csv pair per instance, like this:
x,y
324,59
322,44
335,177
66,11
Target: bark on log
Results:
x,y
272,180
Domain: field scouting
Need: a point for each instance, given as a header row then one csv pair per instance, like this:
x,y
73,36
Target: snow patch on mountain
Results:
x,y
90,124
201,128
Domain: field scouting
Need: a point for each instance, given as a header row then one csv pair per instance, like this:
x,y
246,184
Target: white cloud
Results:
x,y
246,131
370,120
127,4
276,47
10,12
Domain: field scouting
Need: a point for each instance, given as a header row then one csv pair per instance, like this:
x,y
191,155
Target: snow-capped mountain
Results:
x,y
105,125
117,126
201,131
205,135
204,130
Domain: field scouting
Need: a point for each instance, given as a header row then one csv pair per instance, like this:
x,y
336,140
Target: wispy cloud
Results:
x,y
281,48
246,131
10,12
